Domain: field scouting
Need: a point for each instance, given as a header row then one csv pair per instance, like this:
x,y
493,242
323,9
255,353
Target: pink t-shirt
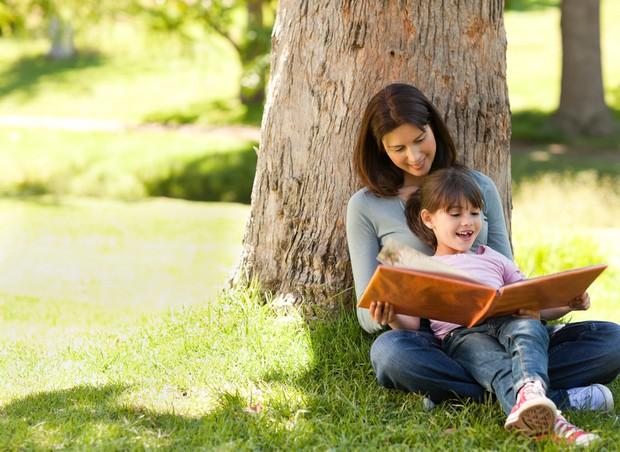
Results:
x,y
487,266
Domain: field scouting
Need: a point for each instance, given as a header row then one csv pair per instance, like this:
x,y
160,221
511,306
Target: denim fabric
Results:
x,y
481,350
580,354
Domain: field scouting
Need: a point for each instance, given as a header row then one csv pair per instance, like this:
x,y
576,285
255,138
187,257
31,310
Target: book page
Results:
x,y
399,255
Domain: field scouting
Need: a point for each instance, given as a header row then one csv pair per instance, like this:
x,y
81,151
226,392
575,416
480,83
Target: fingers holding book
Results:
x,y
382,313
580,303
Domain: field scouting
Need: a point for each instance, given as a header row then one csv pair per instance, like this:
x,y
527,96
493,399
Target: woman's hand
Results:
x,y
580,303
382,313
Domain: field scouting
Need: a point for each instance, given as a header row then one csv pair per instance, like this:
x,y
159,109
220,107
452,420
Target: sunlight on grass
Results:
x,y
78,262
126,78
567,221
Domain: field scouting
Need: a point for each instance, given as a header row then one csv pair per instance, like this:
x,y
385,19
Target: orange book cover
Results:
x,y
459,300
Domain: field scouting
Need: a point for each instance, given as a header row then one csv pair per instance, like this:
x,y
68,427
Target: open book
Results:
x,y
423,287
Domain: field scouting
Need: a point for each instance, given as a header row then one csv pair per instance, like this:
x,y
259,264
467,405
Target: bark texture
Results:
x,y
328,58
582,108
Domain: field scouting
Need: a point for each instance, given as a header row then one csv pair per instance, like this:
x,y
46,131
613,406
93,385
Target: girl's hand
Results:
x,y
580,303
382,313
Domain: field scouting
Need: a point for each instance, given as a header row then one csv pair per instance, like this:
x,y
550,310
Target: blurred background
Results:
x,y
127,135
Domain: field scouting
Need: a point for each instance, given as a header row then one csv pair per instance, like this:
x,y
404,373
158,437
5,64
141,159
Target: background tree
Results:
x,y
328,59
59,20
245,24
582,109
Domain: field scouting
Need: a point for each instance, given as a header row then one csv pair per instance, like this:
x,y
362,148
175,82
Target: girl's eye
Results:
x,y
476,213
420,139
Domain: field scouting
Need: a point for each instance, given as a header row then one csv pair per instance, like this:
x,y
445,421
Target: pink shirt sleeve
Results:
x,y
512,273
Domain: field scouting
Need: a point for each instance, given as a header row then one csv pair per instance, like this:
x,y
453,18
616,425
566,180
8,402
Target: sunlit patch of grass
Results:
x,y
76,265
561,222
135,74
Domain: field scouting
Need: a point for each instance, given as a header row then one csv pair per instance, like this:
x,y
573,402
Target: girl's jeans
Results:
x,y
502,354
580,354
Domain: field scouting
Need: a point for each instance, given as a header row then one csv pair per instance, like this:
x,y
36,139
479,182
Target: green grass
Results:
x,y
76,264
127,164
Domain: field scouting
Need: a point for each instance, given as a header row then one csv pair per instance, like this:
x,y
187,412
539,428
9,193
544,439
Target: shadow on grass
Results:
x,y
539,148
530,5
26,73
93,416
226,176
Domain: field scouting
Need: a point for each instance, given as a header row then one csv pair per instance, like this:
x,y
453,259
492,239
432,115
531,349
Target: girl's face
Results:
x,y
455,228
412,150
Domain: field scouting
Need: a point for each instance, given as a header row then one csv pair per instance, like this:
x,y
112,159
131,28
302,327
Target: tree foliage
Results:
x,y
245,24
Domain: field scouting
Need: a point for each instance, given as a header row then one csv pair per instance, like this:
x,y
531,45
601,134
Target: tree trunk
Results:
x,y
582,108
328,58
61,36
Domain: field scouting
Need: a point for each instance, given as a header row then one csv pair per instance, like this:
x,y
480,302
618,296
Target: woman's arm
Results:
x,y
363,250
581,303
364,246
497,233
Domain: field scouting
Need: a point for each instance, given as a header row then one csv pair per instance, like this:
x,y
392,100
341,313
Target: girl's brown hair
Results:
x,y
442,190
393,106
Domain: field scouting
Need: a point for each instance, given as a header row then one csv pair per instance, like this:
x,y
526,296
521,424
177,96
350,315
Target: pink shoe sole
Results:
x,y
535,417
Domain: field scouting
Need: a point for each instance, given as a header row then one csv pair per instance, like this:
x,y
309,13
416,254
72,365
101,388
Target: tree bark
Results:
x,y
582,109
61,36
328,58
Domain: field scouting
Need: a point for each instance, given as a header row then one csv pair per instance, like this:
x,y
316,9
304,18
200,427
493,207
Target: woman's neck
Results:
x,y
410,185
412,181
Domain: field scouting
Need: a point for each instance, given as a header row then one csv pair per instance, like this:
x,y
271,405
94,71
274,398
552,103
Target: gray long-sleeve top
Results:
x,y
372,219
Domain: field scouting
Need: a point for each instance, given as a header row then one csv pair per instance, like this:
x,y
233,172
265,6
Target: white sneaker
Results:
x,y
595,397
427,404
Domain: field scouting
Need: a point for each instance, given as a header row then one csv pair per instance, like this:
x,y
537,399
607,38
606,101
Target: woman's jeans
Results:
x,y
502,354
580,354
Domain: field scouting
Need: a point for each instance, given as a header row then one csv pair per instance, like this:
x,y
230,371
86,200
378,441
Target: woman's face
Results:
x,y
412,150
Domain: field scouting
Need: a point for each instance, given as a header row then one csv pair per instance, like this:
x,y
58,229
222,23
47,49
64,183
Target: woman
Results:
x,y
403,138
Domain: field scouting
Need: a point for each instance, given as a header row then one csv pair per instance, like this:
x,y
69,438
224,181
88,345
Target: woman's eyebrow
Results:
x,y
398,145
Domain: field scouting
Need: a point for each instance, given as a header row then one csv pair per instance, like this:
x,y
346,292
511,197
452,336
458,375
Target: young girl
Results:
x,y
445,212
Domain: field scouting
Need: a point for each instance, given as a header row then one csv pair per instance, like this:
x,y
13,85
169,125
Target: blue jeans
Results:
x,y
502,354
580,354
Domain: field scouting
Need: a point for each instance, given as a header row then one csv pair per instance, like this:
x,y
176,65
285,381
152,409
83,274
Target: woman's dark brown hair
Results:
x,y
393,106
444,189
